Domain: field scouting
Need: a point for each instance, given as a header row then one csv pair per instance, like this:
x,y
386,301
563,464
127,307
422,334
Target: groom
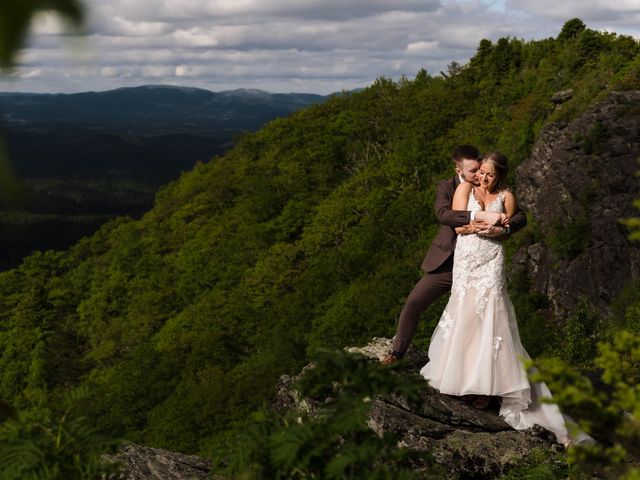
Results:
x,y
438,263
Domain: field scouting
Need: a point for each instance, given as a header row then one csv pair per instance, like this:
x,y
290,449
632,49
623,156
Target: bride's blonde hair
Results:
x,y
500,167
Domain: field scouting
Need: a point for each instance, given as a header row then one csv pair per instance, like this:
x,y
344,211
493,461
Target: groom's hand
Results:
x,y
493,231
476,226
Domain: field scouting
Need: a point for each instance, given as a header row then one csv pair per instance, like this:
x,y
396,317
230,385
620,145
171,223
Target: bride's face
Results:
x,y
487,176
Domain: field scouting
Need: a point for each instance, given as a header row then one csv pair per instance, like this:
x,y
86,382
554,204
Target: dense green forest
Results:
x,y
308,234
81,159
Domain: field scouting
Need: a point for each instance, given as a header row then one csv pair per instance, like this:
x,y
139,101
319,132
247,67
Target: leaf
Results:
x,y
15,19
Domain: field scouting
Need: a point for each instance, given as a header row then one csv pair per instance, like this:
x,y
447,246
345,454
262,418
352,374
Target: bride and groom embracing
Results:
x,y
475,350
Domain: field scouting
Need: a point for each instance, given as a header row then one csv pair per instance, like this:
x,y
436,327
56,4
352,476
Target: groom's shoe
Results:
x,y
391,358
388,360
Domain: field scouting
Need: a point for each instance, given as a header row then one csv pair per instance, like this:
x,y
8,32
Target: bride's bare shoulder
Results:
x,y
464,187
508,196
510,202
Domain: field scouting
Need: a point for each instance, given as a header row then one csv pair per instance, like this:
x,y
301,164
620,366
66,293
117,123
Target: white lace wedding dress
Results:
x,y
476,348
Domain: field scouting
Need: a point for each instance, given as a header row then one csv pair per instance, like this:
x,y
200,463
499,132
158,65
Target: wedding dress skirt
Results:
x,y
476,348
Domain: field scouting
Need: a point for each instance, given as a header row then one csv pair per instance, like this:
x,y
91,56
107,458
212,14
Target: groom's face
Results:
x,y
468,168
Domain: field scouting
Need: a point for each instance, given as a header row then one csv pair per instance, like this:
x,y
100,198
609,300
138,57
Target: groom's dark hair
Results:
x,y
465,151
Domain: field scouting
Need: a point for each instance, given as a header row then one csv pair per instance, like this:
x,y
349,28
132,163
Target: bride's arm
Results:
x,y
510,204
461,196
517,218
442,204
460,202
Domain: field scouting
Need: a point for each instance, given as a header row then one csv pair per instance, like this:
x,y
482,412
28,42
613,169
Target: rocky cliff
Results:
x,y
464,441
577,184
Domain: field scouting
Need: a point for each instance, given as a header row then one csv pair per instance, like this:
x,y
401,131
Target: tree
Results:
x,y
422,78
482,53
571,29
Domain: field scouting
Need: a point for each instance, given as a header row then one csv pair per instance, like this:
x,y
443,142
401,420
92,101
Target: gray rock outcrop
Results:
x,y
145,463
466,442
562,96
578,182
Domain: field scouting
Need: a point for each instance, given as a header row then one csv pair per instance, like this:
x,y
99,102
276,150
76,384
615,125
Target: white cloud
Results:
x,y
32,73
195,37
138,29
421,48
185,71
109,71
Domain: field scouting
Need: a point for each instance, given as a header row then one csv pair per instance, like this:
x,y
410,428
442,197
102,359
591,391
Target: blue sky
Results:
x,y
318,46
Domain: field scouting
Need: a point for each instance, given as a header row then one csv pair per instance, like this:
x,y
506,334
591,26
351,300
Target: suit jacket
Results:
x,y
444,243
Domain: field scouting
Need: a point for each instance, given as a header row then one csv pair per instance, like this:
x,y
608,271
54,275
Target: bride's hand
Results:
x,y
492,218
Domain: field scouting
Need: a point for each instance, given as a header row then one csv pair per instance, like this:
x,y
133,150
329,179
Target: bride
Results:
x,y
476,348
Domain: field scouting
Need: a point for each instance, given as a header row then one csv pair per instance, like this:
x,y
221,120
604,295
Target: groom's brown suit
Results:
x,y
438,262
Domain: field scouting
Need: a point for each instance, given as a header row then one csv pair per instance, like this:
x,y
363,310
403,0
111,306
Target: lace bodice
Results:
x,y
496,206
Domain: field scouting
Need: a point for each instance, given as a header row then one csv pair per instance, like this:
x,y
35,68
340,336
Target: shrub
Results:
x,y
50,443
335,441
611,414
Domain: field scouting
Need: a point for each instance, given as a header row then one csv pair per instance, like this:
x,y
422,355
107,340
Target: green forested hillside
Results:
x,y
308,234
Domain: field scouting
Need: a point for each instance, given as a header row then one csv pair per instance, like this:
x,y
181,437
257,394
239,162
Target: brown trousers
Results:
x,y
428,289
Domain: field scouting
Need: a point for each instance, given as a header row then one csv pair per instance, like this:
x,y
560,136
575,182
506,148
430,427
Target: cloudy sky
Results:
x,y
318,46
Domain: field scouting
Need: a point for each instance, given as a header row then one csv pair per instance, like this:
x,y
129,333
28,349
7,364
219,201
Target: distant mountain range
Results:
x,y
141,108
85,157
